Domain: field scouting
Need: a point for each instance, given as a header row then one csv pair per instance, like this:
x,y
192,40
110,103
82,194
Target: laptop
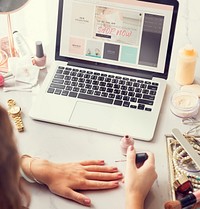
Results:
x,y
112,60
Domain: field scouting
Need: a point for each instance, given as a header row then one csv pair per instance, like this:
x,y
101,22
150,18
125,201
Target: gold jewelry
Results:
x,y
181,161
15,112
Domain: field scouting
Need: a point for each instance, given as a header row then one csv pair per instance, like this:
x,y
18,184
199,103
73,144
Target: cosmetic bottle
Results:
x,y
125,142
186,63
40,58
1,80
21,45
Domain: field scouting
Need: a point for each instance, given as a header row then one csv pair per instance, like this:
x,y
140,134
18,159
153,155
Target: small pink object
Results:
x,y
125,142
40,58
1,80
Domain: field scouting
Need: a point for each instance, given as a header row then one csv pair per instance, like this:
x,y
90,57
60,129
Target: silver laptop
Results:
x,y
112,60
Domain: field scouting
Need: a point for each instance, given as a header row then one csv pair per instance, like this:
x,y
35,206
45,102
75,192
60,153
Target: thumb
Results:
x,y
78,197
131,156
68,193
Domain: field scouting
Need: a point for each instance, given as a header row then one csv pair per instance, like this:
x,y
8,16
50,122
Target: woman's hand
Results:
x,y
138,180
68,178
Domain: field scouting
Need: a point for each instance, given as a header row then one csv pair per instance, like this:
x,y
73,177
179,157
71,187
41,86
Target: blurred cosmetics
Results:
x,y
40,58
125,142
4,77
184,104
1,80
186,64
186,201
21,45
183,185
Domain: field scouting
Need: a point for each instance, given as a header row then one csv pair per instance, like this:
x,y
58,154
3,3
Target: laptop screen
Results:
x,y
126,34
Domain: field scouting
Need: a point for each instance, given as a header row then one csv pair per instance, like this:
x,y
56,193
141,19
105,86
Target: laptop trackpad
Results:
x,y
92,116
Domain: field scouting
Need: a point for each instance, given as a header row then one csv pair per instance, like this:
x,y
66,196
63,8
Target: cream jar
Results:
x,y
184,104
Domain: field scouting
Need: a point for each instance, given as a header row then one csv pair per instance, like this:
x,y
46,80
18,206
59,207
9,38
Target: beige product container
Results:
x,y
186,64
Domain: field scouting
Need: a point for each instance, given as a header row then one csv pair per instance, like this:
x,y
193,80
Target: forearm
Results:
x,y
134,201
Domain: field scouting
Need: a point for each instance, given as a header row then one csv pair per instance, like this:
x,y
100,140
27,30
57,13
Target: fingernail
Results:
x,y
131,147
116,183
87,201
102,162
120,175
115,169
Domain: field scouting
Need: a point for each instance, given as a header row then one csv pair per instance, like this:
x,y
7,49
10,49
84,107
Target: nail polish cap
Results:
x,y
39,49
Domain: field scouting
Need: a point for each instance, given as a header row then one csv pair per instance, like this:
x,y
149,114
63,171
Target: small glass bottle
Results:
x,y
125,142
186,64
40,58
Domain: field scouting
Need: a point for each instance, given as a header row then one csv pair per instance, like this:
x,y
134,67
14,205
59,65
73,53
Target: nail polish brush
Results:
x,y
140,158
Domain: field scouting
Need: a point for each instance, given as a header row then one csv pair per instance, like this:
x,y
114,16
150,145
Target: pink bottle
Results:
x,y
125,142
40,58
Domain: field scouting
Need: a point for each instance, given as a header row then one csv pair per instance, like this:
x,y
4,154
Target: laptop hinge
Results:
x,y
114,69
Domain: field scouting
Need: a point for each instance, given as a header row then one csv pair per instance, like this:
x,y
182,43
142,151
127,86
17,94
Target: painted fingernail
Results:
x,y
115,169
131,147
116,183
120,175
102,162
87,201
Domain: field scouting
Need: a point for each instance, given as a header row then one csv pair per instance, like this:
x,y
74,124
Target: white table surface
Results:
x,y
65,144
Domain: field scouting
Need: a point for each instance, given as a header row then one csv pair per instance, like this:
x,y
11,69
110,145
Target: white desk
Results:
x,y
64,144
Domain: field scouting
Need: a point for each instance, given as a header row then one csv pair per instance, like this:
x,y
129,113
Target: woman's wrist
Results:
x,y
34,169
134,200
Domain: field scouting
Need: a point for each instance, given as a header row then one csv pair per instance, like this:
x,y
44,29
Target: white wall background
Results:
x,y
36,21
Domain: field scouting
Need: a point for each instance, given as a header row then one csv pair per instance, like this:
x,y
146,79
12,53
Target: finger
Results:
x,y
131,156
92,162
197,205
68,193
97,168
97,185
103,176
150,159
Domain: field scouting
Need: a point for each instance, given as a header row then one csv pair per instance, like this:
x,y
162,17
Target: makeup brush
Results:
x,y
176,205
188,200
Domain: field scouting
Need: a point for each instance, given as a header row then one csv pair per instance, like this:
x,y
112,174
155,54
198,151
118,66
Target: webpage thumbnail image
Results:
x,y
117,25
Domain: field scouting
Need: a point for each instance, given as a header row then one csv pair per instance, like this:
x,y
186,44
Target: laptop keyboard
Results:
x,y
113,89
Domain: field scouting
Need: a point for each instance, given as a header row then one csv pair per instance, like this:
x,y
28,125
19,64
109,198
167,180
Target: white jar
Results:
x,y
184,104
186,64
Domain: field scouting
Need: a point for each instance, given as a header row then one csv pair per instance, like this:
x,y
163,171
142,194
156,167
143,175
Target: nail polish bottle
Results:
x,y
40,58
125,142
